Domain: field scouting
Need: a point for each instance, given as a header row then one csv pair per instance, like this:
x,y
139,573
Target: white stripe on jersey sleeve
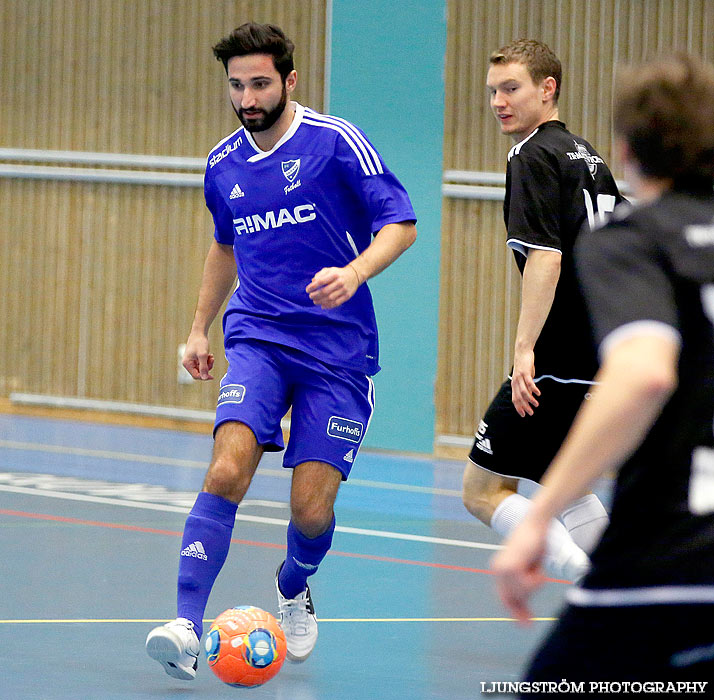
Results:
x,y
634,329
350,143
359,138
650,595
517,148
352,136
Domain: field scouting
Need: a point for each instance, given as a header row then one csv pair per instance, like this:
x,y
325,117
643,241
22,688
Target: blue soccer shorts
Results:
x,y
331,406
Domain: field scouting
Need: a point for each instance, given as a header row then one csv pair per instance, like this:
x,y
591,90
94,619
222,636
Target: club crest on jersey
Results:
x,y
582,153
291,168
345,429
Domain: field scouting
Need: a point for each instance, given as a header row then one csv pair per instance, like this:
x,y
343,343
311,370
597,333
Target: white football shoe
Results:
x,y
299,622
175,646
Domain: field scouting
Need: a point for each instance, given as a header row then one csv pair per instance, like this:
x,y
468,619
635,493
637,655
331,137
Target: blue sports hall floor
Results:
x,y
91,518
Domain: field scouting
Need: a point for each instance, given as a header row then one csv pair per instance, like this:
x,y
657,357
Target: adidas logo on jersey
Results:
x,y
195,550
350,456
237,192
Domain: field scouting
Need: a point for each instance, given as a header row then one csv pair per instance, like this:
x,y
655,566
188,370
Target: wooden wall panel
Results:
x,y
135,76
480,289
476,315
100,288
98,282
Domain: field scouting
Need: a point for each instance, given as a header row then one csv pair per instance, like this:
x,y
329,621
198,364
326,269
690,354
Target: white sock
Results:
x,y
585,520
563,558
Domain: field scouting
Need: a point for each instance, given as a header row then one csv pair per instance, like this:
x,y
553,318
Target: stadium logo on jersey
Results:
x,y
231,393
345,429
218,157
291,168
237,192
582,153
272,219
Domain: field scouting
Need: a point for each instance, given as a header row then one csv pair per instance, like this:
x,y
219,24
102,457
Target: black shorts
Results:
x,y
524,447
643,643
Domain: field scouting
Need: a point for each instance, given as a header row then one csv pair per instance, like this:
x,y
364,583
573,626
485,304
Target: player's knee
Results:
x,y
477,503
478,493
312,519
224,479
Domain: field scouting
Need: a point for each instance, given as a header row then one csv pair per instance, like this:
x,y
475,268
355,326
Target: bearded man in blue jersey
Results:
x,y
305,212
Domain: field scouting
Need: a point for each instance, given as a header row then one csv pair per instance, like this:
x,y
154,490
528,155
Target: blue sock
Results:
x,y
302,559
204,548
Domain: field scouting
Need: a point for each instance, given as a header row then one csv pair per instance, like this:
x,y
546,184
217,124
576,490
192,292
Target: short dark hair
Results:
x,y
252,38
664,110
538,58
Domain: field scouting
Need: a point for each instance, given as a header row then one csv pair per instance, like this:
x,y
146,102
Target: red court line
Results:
x,y
412,562
122,526
250,543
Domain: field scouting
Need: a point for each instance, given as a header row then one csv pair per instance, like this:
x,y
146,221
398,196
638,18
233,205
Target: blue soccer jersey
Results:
x,y
313,201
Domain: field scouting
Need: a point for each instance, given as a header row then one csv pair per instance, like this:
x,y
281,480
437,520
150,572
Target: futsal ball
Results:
x,y
245,646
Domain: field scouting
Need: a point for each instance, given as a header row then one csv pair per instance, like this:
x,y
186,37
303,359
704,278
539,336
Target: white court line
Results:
x,y
102,454
196,464
248,518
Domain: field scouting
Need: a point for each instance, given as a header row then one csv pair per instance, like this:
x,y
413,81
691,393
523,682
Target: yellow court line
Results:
x,y
335,619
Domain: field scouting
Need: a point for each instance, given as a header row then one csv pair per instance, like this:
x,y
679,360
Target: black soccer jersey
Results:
x,y
651,270
555,182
